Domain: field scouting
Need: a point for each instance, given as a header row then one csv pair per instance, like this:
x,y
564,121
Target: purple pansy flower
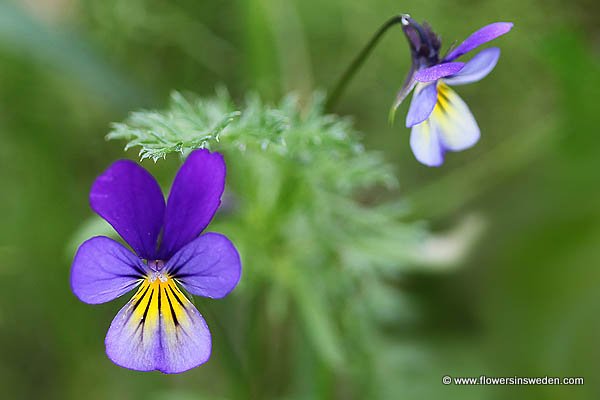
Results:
x,y
440,119
159,328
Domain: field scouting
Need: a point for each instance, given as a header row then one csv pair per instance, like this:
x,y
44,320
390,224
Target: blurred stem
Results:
x,y
234,364
294,61
334,95
257,351
325,381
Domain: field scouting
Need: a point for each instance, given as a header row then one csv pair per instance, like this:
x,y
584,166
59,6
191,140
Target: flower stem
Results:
x,y
232,361
358,61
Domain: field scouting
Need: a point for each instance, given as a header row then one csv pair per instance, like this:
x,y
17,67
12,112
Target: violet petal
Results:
x,y
103,269
456,126
483,35
158,329
477,68
128,197
194,199
208,266
425,144
422,104
438,71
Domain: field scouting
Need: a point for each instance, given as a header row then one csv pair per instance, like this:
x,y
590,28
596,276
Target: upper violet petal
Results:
x,y
209,266
128,197
103,270
477,68
483,35
438,71
422,104
193,201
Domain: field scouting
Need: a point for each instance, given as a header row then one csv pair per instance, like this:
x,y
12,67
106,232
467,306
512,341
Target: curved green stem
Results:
x,y
358,61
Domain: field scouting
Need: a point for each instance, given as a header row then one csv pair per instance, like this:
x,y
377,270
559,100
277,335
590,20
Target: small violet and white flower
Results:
x,y
439,118
159,328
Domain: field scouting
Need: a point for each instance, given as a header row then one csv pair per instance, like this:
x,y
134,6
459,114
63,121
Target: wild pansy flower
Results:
x,y
439,118
159,328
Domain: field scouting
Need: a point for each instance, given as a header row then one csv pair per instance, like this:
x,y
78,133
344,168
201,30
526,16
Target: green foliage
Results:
x,y
306,136
295,177
184,127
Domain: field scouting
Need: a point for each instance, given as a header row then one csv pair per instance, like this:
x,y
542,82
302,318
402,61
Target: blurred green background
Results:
x,y
523,300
